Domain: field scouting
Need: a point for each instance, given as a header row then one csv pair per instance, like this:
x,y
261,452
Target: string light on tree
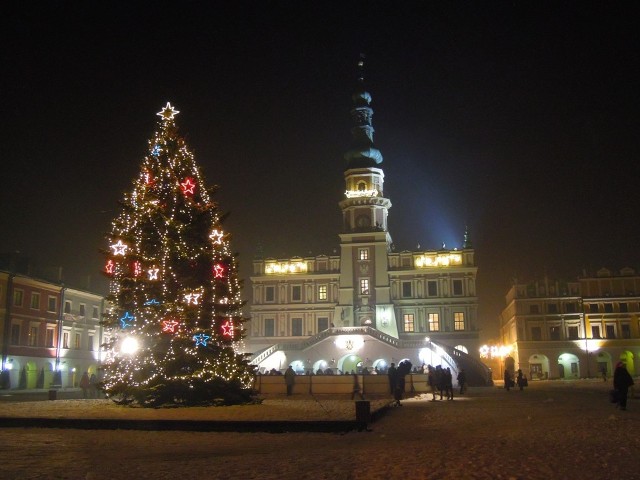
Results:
x,y
169,224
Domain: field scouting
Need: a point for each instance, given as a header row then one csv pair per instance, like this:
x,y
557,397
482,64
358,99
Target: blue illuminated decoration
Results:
x,y
201,339
156,150
153,301
127,320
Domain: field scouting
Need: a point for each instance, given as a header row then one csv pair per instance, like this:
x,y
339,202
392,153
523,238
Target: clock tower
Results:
x,y
365,240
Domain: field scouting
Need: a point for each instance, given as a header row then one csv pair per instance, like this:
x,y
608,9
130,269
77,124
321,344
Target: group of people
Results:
x,y
521,380
89,385
440,381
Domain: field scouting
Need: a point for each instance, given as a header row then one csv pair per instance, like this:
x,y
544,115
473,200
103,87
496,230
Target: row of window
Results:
x,y
432,288
573,332
296,326
408,321
296,293
433,322
572,307
18,301
363,289
52,304
34,340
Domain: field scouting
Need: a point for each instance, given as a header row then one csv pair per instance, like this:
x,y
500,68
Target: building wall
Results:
x,y
41,338
574,329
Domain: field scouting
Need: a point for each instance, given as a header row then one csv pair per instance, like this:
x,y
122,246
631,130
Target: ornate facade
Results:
x,y
369,306
573,329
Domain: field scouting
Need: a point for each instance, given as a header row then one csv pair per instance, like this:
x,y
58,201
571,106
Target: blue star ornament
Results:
x,y
201,339
127,320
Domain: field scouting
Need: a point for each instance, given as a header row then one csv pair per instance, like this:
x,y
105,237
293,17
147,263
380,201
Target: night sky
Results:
x,y
518,119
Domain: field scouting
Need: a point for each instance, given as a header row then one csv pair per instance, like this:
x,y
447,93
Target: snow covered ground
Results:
x,y
552,430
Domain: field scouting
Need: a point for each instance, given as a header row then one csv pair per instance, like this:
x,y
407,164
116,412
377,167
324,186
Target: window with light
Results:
x,y
408,322
434,322
458,321
364,286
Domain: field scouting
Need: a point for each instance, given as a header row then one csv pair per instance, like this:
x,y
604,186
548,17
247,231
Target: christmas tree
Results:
x,y
175,324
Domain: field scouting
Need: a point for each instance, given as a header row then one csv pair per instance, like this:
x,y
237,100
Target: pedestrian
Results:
x,y
392,373
356,388
507,380
93,386
604,373
440,380
521,380
462,381
404,368
448,383
84,384
431,381
621,383
289,379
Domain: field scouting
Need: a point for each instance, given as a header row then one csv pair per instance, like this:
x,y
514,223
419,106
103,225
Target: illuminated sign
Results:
x,y
494,351
438,260
284,268
361,193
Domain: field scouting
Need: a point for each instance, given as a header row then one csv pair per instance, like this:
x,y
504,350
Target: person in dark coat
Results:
x,y
621,383
520,380
448,383
392,373
84,384
431,381
462,380
507,380
289,379
440,380
404,368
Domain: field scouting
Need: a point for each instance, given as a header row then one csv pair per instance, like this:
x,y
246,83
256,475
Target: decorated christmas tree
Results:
x,y
175,324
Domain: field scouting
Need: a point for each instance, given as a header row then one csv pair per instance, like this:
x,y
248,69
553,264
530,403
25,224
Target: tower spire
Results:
x,y
362,153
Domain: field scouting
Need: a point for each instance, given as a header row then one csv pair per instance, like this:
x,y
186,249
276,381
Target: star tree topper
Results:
x,y
168,112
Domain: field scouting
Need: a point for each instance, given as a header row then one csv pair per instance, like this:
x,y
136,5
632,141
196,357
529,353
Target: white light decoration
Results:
x,y
119,248
168,112
153,273
361,193
438,260
192,298
274,268
216,237
351,343
495,351
129,346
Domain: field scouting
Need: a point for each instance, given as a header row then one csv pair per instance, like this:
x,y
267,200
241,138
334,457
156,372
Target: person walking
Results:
x,y
84,384
507,380
621,383
462,381
448,383
392,373
521,380
431,381
289,379
93,386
